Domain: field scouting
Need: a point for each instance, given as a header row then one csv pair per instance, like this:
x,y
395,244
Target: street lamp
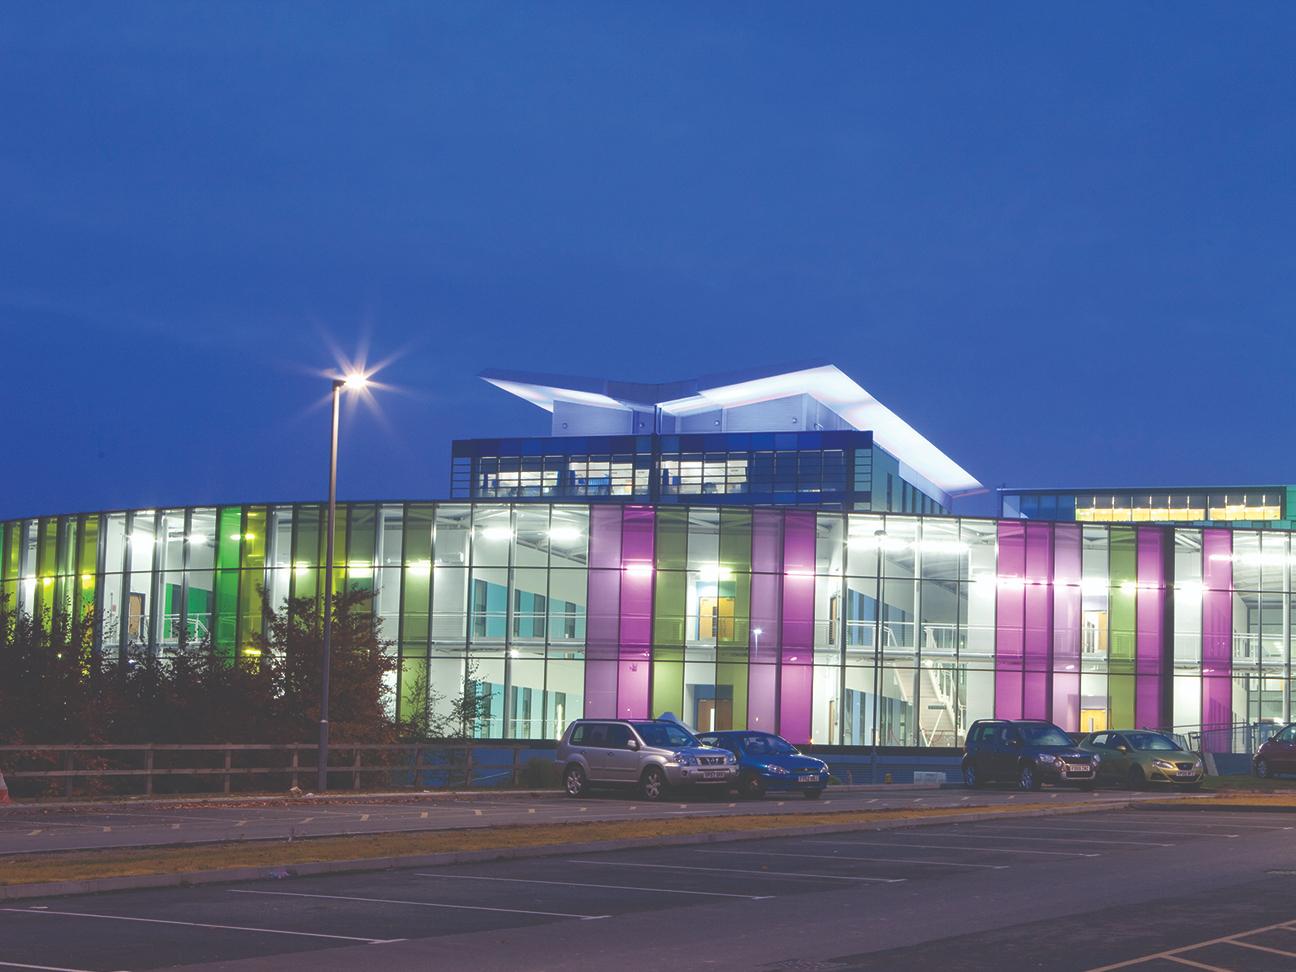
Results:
x,y
756,632
352,382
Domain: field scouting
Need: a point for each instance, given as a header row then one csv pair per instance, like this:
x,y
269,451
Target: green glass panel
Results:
x,y
47,548
11,548
252,578
1121,653
88,559
667,685
735,560
414,603
228,552
734,675
672,539
254,538
361,546
668,607
413,686
418,533
307,539
67,555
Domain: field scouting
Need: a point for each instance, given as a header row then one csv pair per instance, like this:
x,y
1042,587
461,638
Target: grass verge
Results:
x,y
134,862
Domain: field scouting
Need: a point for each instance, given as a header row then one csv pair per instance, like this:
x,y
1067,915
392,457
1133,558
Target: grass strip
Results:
x,y
134,862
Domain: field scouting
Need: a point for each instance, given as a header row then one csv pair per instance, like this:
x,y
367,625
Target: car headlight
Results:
x,y
1047,759
730,759
684,759
776,770
1096,759
1163,764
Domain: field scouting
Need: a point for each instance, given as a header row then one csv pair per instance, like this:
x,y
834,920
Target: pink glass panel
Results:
x,y
1150,625
796,659
1066,626
637,532
762,697
600,689
1217,637
767,573
1037,613
603,617
1010,609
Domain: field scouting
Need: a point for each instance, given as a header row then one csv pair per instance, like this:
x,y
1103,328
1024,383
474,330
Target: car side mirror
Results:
x,y
1123,748
1014,742
632,744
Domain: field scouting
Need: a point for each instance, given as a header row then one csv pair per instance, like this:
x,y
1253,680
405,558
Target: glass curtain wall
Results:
x,y
833,628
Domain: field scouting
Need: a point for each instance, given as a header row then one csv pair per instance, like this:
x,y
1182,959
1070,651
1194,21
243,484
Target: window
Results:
x,y
617,736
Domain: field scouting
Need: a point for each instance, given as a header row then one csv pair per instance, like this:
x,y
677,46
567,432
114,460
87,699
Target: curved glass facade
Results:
x,y
827,627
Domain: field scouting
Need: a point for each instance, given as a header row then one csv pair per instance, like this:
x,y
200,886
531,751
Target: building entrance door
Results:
x,y
714,715
715,618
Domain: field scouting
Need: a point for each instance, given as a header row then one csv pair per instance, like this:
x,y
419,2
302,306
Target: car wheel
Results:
x,y
812,794
1262,769
1136,779
970,778
574,781
751,786
652,785
1028,779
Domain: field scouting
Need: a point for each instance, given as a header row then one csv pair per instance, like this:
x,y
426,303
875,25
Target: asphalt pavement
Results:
x,y
1144,889
32,829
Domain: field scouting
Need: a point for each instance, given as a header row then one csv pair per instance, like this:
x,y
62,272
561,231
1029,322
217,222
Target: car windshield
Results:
x,y
665,735
1043,734
761,744
1153,741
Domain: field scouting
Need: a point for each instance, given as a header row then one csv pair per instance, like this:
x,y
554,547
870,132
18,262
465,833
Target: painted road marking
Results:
x,y
997,850
477,813
418,904
1261,948
175,826
35,833
1176,954
844,857
1068,840
422,816
203,924
743,870
364,817
1104,829
46,968
612,887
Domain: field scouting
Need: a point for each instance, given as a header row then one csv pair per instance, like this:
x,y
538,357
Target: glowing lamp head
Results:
x,y
355,382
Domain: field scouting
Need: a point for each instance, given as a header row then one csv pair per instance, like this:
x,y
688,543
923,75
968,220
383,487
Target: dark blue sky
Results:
x,y
1057,239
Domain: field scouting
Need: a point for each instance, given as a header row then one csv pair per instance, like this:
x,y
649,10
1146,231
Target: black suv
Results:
x,y
1027,751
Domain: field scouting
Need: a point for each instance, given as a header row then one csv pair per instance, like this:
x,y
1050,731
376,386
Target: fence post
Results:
x,y
468,766
296,756
513,780
69,764
148,768
355,770
229,758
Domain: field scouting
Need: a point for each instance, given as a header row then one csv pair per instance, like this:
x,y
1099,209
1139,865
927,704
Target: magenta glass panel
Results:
x,y
1066,627
767,576
600,689
1008,694
797,683
632,688
1010,609
796,659
1037,633
605,537
636,612
1150,626
603,613
1217,637
762,697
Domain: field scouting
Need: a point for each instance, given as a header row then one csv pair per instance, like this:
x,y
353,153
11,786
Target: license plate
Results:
x,y
714,775
1079,768
1186,773
807,779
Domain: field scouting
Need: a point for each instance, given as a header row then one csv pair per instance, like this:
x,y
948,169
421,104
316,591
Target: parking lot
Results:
x,y
33,829
1159,889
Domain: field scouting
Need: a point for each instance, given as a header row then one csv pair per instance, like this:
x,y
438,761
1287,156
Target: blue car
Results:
x,y
770,762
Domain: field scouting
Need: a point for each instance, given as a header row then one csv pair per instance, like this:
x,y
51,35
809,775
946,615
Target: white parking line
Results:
x,y
743,870
610,887
1104,830
1176,954
203,924
843,857
418,904
997,850
1261,948
45,968
1068,840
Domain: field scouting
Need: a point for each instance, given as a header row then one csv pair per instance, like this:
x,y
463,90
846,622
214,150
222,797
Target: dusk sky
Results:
x,y
1058,239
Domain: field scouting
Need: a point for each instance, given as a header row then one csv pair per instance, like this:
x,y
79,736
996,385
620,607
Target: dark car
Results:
x,y
770,762
1025,751
1277,755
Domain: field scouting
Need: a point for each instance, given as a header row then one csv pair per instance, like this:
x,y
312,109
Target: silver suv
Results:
x,y
652,755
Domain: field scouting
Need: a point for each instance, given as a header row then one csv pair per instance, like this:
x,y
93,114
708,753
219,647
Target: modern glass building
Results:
x,y
820,625
767,550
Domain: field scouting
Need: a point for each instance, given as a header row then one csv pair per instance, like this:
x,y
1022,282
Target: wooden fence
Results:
x,y
149,768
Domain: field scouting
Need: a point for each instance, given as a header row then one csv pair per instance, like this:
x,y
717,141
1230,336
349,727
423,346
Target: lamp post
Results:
x,y
879,536
353,382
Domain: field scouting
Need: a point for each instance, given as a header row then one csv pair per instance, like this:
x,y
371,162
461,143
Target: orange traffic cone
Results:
x,y
4,791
